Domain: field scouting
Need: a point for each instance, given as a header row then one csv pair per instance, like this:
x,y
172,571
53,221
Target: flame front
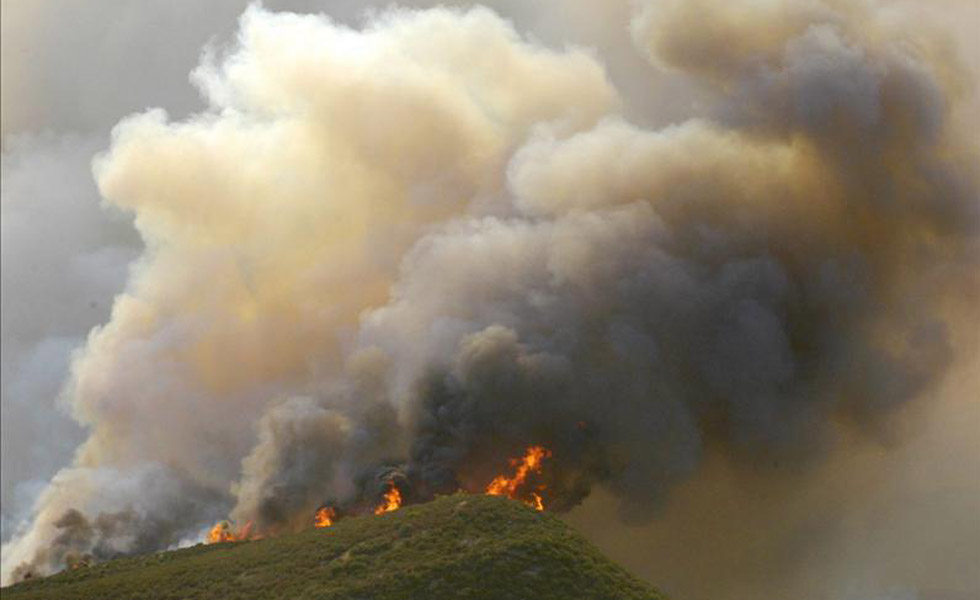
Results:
x,y
324,517
510,486
392,500
222,532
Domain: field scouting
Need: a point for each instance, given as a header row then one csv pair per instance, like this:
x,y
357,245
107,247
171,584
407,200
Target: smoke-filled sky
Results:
x,y
720,256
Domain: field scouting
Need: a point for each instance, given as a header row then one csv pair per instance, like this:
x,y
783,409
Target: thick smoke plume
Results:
x,y
419,247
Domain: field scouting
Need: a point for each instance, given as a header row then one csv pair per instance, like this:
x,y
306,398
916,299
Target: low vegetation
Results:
x,y
466,547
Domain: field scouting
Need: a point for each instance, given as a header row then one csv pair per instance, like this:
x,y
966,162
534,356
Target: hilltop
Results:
x,y
461,546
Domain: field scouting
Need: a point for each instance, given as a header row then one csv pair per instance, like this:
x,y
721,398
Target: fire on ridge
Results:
x,y
223,532
324,517
515,487
512,487
392,500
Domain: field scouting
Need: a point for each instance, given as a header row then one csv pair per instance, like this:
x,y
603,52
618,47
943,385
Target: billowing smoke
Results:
x,y
415,249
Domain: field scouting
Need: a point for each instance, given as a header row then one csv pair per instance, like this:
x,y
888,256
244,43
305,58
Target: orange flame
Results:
x,y
392,500
324,517
222,532
529,463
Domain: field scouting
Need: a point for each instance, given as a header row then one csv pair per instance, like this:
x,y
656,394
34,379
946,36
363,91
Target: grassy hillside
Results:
x,y
470,547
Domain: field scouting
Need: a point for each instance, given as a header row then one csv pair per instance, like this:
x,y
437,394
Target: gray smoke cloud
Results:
x,y
416,247
869,521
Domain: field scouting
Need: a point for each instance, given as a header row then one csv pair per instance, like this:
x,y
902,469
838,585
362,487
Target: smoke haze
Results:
x,y
719,257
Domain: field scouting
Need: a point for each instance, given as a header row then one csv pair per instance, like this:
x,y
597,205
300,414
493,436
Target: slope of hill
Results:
x,y
472,547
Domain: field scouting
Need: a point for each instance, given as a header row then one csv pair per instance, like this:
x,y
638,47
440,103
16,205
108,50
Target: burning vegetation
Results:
x,y
223,532
514,487
324,517
521,486
392,500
